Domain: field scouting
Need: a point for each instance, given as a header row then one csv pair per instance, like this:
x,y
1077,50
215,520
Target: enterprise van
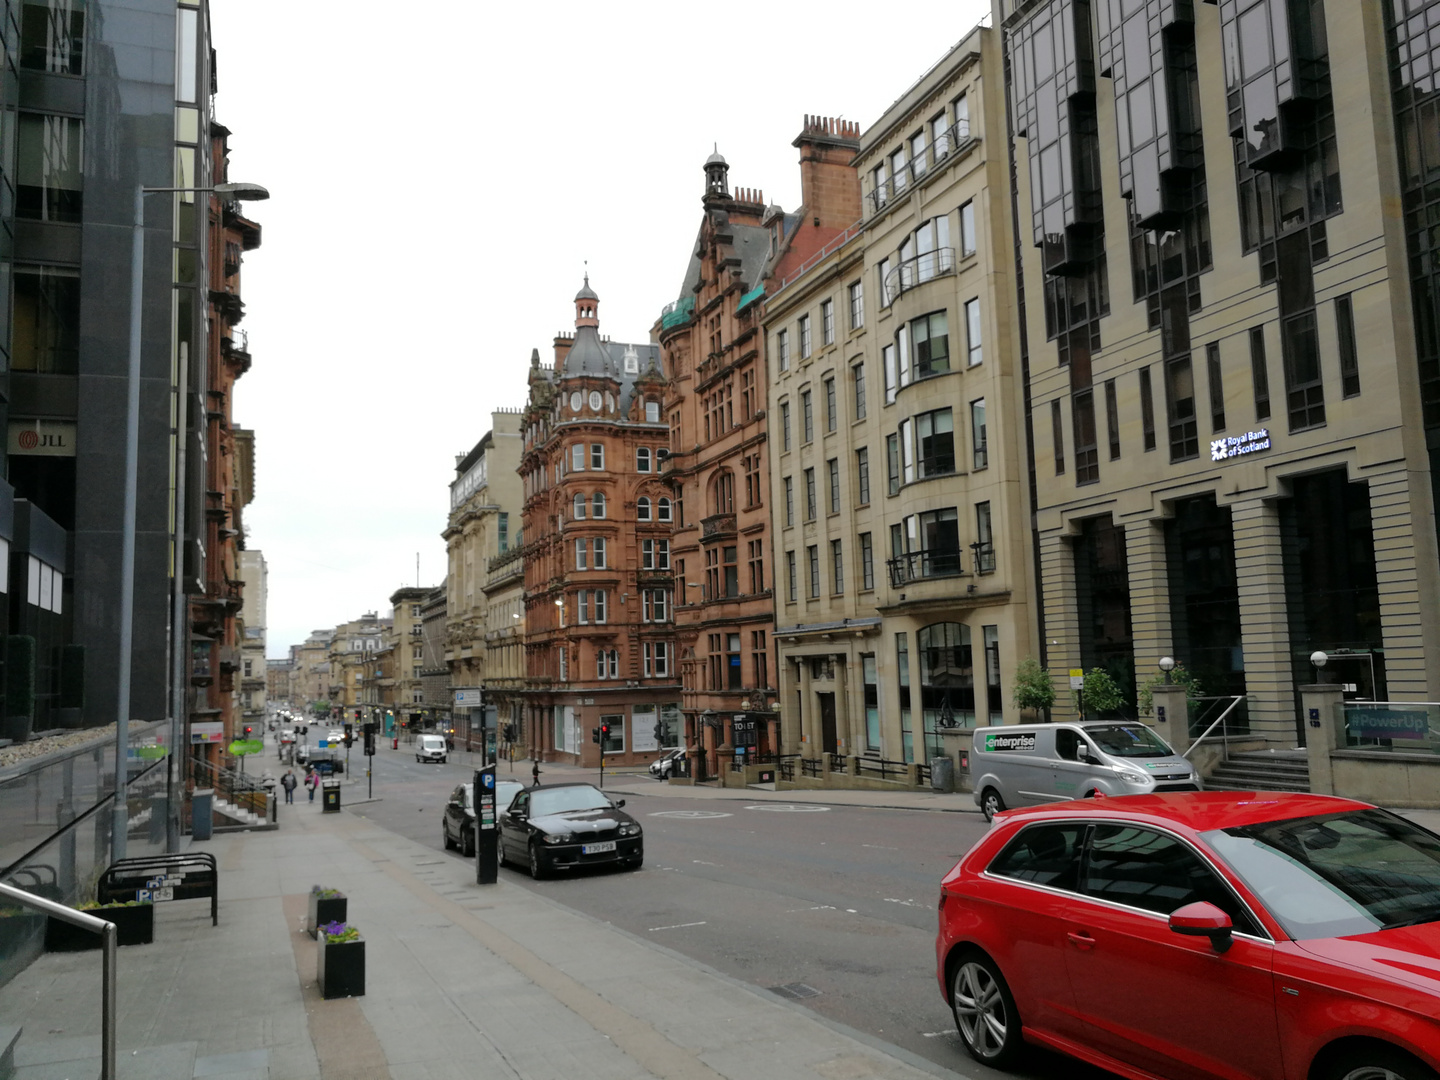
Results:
x,y
1026,764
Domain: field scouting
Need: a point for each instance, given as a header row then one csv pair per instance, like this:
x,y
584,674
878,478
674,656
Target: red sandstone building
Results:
x,y
599,582
714,347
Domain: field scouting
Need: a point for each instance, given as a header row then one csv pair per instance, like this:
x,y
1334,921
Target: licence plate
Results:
x,y
598,849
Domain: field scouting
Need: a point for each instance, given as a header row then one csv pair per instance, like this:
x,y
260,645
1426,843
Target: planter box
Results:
x,y
134,925
324,909
340,969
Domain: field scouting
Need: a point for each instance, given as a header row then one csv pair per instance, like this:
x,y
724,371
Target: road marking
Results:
x,y
936,1034
702,862
817,907
677,926
893,900
851,911
696,815
789,808
880,847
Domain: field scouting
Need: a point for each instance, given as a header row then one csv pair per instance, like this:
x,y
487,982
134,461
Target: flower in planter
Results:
x,y
95,905
338,932
323,892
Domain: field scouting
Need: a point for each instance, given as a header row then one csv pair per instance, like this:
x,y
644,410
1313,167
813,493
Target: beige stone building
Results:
x,y
408,642
253,682
897,455
1230,411
310,672
353,647
505,645
485,507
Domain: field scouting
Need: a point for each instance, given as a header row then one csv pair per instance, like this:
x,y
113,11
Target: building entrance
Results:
x,y
827,722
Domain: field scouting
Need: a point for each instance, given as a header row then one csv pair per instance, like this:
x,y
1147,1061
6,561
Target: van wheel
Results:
x,y
991,803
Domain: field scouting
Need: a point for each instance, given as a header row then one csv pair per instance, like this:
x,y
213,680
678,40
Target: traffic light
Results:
x,y
604,731
357,714
350,733
248,729
595,735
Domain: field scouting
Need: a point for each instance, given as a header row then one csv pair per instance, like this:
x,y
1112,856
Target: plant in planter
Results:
x,y
340,963
1101,695
326,906
134,925
1033,689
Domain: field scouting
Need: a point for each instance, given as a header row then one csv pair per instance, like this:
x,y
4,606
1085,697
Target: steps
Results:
x,y
236,814
1262,770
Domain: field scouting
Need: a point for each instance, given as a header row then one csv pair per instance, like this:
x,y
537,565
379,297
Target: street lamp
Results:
x,y
1167,665
1319,658
119,823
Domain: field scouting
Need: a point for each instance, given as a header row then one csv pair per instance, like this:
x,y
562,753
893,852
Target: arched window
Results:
x,y
947,681
722,492
664,510
579,507
597,504
642,509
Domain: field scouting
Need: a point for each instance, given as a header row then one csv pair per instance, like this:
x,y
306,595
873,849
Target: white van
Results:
x,y
1028,764
430,748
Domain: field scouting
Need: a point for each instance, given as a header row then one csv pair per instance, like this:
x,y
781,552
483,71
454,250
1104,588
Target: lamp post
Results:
x,y
1319,658
119,814
1166,665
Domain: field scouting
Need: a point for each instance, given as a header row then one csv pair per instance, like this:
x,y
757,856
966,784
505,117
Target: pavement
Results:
x,y
462,980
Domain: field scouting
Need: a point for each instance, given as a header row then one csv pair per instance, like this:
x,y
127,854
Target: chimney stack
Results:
x,y
829,184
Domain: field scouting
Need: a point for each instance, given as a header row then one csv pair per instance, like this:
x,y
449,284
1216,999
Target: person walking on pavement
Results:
x,y
535,773
288,783
311,782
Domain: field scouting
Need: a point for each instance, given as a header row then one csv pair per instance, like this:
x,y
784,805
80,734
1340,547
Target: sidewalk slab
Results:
x,y
462,980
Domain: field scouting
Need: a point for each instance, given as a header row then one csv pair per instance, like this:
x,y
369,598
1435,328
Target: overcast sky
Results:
x,y
438,180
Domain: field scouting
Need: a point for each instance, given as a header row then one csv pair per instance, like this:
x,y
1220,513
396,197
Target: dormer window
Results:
x,y
632,361
652,412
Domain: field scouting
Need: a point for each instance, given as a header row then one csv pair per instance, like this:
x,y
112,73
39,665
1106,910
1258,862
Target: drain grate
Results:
x,y
795,991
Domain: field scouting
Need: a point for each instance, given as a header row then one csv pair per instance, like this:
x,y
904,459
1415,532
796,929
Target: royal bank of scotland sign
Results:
x,y
1239,445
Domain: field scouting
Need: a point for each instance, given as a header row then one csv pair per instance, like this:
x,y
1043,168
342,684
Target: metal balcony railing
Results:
x,y
917,271
984,557
954,139
920,565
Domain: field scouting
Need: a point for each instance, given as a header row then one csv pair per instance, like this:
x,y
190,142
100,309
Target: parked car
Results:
x,y
458,824
561,826
666,765
430,748
1206,934
1028,764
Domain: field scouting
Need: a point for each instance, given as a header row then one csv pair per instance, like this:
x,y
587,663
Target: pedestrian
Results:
x,y
288,783
535,773
311,782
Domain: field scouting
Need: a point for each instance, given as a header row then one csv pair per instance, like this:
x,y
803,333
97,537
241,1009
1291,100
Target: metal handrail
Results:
x,y
109,941
1224,746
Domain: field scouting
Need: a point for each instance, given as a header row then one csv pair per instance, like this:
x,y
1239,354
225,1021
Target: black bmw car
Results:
x,y
561,826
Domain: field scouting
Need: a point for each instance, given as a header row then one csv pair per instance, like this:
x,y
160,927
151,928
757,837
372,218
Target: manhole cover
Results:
x,y
692,814
796,991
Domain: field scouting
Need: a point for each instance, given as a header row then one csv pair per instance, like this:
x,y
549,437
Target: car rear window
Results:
x,y
1043,855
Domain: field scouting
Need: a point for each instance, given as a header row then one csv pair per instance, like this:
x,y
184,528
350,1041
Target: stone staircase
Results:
x,y
1261,770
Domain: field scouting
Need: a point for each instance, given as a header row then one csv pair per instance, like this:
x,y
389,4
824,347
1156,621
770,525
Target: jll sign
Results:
x,y
42,438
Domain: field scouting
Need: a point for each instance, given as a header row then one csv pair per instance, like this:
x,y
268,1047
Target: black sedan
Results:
x,y
457,827
561,826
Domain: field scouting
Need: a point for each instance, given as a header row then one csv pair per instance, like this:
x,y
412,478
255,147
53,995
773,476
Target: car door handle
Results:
x,y
1081,940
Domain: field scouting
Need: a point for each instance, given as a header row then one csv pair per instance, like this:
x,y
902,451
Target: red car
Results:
x,y
1217,934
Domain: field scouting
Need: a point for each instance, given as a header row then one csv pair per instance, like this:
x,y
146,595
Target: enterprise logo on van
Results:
x,y
1018,741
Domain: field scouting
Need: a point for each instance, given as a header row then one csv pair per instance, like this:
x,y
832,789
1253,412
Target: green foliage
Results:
x,y
95,905
1179,676
1101,694
324,893
1033,688
337,932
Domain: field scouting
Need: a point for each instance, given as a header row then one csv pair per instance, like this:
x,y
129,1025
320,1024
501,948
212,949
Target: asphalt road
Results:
x,y
831,907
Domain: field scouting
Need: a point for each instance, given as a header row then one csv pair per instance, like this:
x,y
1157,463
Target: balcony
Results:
x,y
984,557
717,525
956,140
924,565
917,271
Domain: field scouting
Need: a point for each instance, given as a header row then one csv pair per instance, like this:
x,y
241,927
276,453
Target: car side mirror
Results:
x,y
1203,919
454,802
1082,752
620,804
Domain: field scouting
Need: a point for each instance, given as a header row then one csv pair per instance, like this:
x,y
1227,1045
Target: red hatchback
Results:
x,y
1217,934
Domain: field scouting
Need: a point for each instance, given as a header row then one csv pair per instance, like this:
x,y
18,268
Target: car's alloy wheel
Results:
x,y
537,862
985,1012
991,804
1375,1062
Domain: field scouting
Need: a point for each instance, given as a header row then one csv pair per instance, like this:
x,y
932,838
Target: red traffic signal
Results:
x,y
248,729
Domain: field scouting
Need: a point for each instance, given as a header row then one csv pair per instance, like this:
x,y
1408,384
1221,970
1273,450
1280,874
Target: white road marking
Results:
x,y
677,926
817,907
695,815
789,808
893,900
702,862
936,1034
880,847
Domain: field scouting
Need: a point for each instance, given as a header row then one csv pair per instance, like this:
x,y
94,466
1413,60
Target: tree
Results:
x,y
1178,676
1033,688
1101,694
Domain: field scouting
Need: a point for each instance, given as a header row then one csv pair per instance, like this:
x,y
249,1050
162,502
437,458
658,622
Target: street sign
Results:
x,y
1077,678
468,697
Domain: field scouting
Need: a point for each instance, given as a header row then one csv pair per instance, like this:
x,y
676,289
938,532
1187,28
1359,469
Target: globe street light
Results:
x,y
1167,665
119,823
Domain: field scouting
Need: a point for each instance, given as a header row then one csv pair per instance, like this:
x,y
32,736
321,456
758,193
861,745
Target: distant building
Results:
x,y
599,585
254,682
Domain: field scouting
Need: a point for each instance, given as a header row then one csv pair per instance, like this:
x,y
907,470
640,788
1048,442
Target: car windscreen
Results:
x,y
563,799
1335,875
1128,740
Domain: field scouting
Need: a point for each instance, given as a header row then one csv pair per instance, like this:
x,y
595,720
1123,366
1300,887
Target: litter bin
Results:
x,y
202,813
330,796
942,775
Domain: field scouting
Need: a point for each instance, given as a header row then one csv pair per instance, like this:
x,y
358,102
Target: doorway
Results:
x,y
827,722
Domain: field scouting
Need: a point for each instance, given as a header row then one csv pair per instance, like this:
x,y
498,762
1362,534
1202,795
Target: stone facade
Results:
x,y
1229,415
599,586
254,682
